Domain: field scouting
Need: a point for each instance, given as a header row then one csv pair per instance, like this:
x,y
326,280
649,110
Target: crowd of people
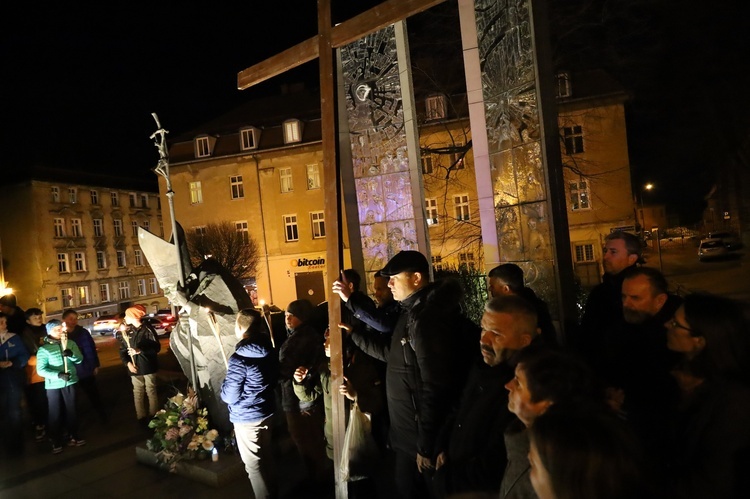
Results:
x,y
45,367
648,397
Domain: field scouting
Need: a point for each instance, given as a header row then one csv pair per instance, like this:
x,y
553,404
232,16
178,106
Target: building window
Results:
x,y
117,225
55,192
427,166
132,199
67,297
72,195
146,225
584,253
579,195
80,261
200,230
248,138
202,147
457,158
241,227
437,263
292,131
142,287
290,228
134,227
121,259
123,287
152,286
101,260
94,197
144,200
104,292
98,227
59,224
75,227
435,107
83,295
196,195
115,197
318,224
562,84
285,176
461,203
466,261
161,227
62,263
431,210
138,254
236,187
313,177
573,139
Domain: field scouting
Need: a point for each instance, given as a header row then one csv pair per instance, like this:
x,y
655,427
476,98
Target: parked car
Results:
x,y
162,327
731,241
711,248
106,324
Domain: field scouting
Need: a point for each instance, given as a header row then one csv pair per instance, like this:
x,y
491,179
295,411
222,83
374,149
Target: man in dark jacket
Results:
x,y
138,351
14,313
248,391
622,250
472,446
380,316
89,367
426,366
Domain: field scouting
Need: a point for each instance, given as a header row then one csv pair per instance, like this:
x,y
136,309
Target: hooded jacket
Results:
x,y
142,338
248,389
86,345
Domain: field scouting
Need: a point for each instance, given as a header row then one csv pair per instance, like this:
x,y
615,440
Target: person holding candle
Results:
x,y
56,361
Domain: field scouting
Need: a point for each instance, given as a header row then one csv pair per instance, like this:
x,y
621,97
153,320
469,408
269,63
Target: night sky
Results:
x,y
81,82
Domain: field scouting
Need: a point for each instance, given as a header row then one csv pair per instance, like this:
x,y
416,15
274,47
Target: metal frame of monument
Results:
x,y
522,203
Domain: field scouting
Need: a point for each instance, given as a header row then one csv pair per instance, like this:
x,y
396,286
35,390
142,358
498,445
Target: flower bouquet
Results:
x,y
181,431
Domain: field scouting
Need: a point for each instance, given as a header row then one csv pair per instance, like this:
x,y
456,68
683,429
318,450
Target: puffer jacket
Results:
x,y
248,389
428,360
50,363
12,349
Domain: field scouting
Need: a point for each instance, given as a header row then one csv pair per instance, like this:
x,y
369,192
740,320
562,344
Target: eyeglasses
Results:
x,y
674,323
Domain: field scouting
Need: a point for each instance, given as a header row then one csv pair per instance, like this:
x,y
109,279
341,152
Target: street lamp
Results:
x,y
646,187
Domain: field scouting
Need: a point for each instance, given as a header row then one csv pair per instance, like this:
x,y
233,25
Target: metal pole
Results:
x,y
162,168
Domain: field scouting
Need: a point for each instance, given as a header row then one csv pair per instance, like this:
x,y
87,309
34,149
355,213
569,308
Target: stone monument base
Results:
x,y
216,474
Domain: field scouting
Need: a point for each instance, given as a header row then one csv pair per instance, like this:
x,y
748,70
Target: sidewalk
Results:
x,y
106,466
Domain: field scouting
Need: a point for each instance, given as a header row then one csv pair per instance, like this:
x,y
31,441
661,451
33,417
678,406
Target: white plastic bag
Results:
x,y
360,451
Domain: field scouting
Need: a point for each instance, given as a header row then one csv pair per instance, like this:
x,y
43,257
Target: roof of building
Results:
x,y
89,179
593,84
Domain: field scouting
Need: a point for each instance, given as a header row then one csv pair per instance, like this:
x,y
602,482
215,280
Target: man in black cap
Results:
x,y
425,366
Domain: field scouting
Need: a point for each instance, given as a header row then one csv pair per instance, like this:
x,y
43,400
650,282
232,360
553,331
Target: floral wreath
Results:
x,y
181,431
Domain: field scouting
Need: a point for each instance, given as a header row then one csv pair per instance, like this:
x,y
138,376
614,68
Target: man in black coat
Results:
x,y
426,366
472,448
622,250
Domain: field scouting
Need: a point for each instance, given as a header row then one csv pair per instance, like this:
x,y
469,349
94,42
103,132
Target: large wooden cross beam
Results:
x,y
322,47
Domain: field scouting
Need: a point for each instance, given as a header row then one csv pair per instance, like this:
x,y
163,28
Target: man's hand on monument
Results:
x,y
341,288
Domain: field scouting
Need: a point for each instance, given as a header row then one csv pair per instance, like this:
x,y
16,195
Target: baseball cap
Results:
x,y
406,261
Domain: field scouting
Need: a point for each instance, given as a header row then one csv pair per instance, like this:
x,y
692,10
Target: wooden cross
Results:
x,y
322,46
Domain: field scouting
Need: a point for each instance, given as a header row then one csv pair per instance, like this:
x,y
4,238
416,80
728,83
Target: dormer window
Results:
x,y
435,107
562,84
292,131
249,138
204,146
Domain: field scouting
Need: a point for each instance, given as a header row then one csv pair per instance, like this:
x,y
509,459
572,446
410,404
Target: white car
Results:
x,y
161,326
711,248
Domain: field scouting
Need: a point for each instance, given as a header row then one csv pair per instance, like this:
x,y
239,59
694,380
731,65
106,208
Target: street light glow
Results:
x,y
648,186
